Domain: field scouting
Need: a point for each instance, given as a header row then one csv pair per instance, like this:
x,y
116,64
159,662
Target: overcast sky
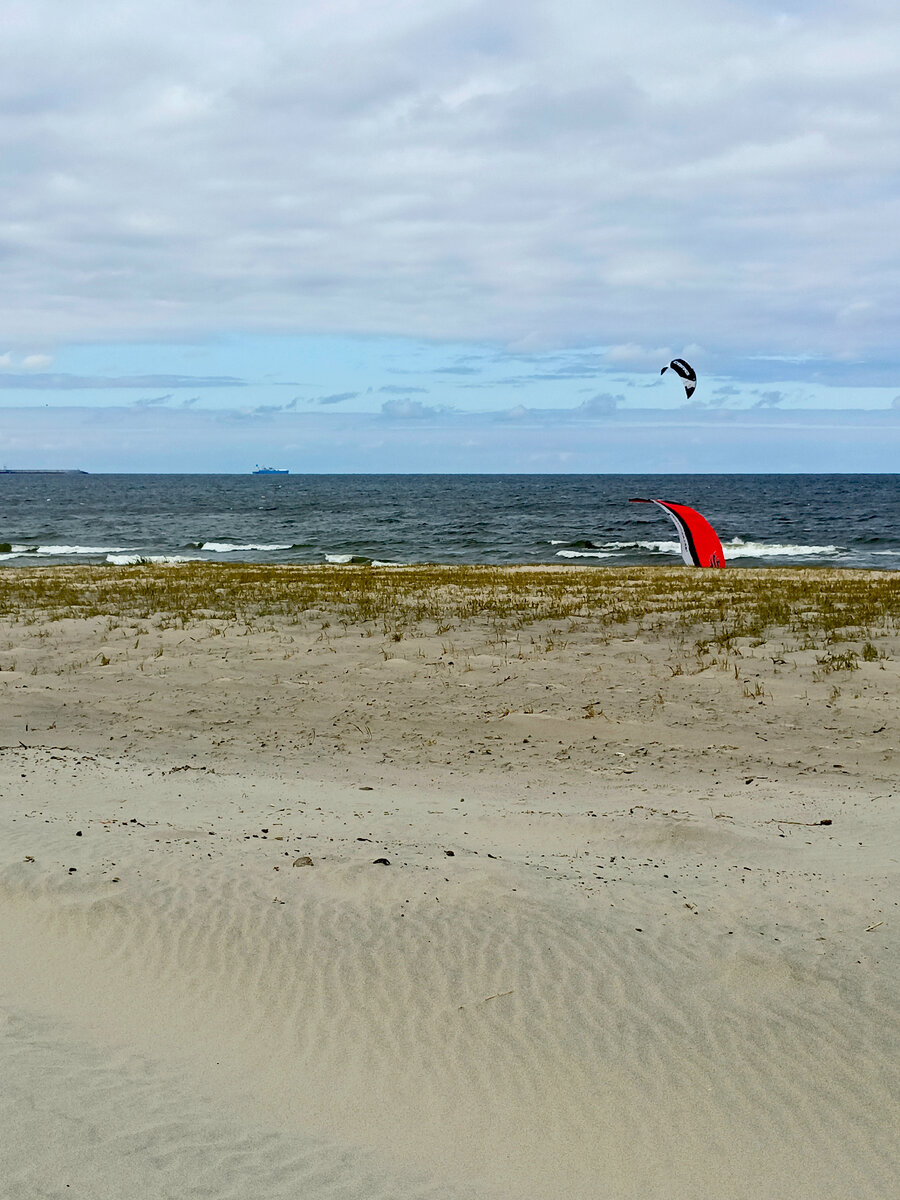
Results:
x,y
465,216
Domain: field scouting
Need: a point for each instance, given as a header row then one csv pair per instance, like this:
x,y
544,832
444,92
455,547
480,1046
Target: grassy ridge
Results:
x,y
818,603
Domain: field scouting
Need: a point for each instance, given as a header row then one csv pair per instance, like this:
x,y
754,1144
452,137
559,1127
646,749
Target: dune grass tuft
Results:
x,y
819,606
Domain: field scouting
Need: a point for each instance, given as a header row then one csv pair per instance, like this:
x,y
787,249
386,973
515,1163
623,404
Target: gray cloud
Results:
x,y
395,390
152,401
601,405
335,398
769,399
614,173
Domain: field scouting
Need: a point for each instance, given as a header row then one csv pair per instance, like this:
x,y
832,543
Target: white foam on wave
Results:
x,y
230,548
360,560
583,554
741,549
609,548
736,548
132,560
656,547
61,551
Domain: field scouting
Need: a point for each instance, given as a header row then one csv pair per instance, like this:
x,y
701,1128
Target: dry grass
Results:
x,y
817,606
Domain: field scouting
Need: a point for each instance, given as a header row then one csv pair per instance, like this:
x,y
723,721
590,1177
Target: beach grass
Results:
x,y
819,605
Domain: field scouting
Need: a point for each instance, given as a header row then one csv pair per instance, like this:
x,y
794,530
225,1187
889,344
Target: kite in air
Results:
x,y
687,373
700,545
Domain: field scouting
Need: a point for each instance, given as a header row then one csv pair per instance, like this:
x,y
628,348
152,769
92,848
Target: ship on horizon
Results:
x,y
258,470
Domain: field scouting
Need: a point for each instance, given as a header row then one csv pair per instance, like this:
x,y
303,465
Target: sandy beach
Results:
x,y
482,883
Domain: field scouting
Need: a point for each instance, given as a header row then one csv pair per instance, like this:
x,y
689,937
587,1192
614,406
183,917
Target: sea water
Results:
x,y
762,520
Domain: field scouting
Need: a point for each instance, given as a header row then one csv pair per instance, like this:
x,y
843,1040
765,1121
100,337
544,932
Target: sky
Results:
x,y
437,234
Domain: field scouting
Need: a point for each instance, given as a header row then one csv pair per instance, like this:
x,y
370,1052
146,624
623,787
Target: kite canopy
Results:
x,y
687,373
700,545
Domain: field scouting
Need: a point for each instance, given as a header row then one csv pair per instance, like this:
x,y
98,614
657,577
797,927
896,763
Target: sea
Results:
x,y
847,521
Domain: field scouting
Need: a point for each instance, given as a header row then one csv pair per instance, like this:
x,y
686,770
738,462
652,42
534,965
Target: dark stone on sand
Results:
x,y
385,862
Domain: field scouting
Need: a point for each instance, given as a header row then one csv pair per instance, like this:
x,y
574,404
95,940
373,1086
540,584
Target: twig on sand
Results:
x,y
496,996
778,821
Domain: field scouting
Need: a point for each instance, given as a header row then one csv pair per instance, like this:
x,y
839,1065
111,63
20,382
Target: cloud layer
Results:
x,y
641,173
409,436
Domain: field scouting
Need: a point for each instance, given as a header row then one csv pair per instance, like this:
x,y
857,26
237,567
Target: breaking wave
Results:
x,y
62,551
231,548
133,560
737,548
584,554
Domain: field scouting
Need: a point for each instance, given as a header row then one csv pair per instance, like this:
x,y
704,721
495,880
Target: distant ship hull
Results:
x,y
41,471
271,471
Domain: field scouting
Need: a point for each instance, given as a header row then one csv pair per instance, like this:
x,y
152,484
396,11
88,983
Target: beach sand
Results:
x,y
635,937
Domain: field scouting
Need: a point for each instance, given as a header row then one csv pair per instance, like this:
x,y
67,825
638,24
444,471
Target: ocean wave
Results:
x,y
360,560
65,551
133,560
737,548
230,547
655,547
584,554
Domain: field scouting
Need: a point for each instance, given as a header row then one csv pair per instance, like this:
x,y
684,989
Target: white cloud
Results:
x,y
404,409
640,171
637,358
27,362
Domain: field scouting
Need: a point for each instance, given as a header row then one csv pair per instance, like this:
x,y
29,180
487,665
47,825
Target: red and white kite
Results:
x,y
700,545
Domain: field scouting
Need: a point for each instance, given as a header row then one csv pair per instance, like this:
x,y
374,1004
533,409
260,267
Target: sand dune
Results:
x,y
613,953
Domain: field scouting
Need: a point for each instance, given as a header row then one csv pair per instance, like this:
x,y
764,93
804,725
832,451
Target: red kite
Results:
x,y
700,545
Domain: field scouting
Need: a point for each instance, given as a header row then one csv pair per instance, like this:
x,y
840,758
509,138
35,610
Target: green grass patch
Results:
x,y
815,605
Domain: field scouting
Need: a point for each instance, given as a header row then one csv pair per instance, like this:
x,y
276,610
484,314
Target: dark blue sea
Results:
x,y
762,520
